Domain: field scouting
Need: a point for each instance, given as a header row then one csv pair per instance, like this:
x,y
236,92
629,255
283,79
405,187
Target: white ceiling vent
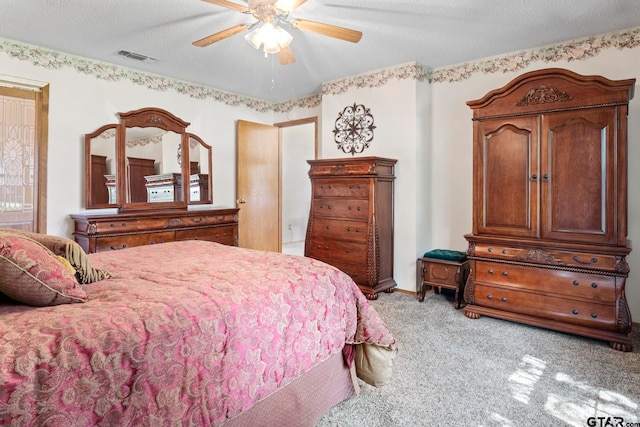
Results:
x,y
136,56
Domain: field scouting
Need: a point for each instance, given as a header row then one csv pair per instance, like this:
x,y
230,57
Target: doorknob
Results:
x,y
241,201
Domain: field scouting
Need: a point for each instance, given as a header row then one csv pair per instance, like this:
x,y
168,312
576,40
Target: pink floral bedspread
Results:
x,y
186,333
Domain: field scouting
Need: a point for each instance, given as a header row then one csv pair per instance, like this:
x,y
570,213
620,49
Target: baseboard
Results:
x,y
404,291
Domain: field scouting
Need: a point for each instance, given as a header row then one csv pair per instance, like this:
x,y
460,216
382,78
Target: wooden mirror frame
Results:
x,y
209,175
144,118
90,184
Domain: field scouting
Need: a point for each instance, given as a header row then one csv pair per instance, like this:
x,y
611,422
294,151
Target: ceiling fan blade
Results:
x,y
352,36
289,5
229,5
220,35
285,56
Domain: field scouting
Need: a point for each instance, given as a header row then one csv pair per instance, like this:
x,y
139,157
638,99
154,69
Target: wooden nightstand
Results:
x,y
439,273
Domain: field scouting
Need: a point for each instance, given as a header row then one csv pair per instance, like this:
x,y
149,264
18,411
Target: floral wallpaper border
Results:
x,y
576,50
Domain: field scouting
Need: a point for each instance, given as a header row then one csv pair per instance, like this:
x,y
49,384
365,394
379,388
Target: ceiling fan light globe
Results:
x,y
271,46
283,38
253,38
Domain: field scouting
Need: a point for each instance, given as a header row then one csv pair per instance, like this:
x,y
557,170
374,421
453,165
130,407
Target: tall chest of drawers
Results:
x,y
97,233
351,219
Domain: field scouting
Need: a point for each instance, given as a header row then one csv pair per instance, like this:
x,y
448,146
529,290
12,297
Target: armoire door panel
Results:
x,y
578,175
508,187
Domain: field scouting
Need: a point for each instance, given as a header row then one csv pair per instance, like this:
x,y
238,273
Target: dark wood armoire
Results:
x,y
549,237
351,220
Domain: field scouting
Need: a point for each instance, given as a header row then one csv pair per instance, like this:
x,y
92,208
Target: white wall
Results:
x,y
80,103
297,146
393,107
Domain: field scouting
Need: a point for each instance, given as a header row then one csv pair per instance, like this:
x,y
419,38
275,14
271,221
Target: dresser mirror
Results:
x,y
102,165
200,188
142,162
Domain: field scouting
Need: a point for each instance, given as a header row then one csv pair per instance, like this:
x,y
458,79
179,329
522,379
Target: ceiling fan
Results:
x,y
267,31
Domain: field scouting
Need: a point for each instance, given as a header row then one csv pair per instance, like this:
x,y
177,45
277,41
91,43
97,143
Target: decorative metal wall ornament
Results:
x,y
354,129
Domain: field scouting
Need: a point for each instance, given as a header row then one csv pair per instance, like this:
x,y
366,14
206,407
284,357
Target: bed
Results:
x,y
180,333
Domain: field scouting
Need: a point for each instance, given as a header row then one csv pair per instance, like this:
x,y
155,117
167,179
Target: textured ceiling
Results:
x,y
434,33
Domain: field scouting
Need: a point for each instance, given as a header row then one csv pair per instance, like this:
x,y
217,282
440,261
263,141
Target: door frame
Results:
x,y
291,123
39,91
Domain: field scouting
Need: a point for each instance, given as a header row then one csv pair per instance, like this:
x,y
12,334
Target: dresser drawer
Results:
x,y
601,316
110,243
554,257
357,209
112,227
352,231
351,188
225,234
338,250
357,167
561,282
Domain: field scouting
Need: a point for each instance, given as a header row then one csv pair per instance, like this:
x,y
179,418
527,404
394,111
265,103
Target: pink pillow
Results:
x,y
31,274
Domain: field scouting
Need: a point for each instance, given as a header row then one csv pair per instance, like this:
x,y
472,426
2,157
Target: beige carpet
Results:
x,y
454,371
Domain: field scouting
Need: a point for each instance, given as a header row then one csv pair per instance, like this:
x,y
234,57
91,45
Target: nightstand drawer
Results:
x,y
440,273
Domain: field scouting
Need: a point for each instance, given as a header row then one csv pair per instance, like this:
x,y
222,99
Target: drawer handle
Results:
x,y
504,273
490,250
350,185
594,315
327,227
504,299
348,228
594,285
592,261
490,271
347,250
326,248
114,247
124,224
112,225
576,283
197,220
575,311
504,251
489,296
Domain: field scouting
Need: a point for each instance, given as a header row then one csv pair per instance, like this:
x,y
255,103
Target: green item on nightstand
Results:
x,y
445,254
